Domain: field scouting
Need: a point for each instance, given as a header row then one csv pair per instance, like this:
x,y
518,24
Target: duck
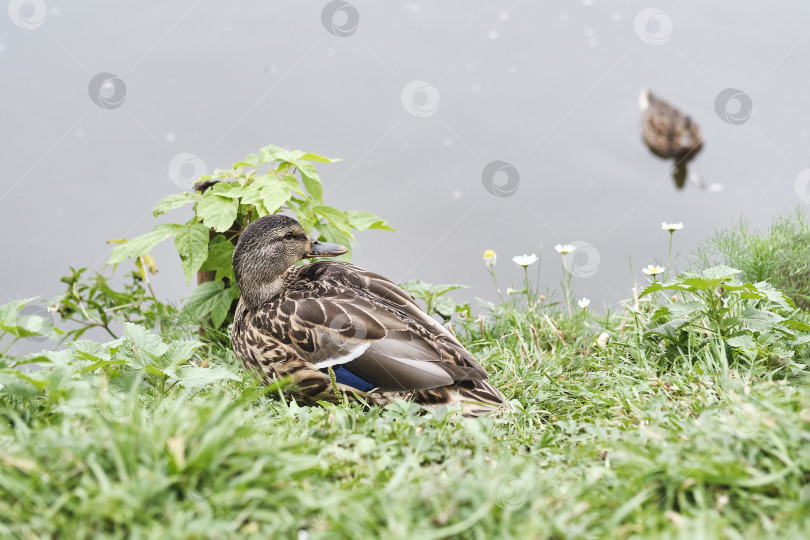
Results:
x,y
666,131
339,331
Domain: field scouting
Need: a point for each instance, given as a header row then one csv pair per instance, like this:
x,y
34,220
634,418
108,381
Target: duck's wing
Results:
x,y
367,329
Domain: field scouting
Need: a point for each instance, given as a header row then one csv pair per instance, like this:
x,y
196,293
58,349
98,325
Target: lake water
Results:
x,y
417,99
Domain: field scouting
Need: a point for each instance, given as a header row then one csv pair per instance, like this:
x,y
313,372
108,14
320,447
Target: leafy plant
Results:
x,y
754,319
779,254
435,300
271,181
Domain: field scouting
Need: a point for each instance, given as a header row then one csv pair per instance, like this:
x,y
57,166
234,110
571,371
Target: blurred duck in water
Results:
x,y
669,133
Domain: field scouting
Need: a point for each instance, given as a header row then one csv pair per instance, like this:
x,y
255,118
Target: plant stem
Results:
x,y
566,285
669,255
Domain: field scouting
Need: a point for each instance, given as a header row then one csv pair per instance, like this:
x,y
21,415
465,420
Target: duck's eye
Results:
x,y
288,236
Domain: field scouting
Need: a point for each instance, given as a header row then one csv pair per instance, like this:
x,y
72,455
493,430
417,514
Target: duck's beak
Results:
x,y
324,249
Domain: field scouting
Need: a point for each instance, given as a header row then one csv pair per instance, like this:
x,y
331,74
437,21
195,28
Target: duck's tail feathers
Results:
x,y
480,398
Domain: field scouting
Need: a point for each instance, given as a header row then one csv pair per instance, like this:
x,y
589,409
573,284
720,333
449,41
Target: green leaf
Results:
x,y
273,197
651,289
173,201
721,272
669,329
145,340
192,246
211,298
197,377
251,160
362,220
309,156
309,175
220,258
143,244
685,309
181,351
9,314
760,320
217,212
336,217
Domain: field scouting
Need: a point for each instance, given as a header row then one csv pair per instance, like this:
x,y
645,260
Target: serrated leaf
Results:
x,y
742,340
651,289
721,272
217,212
181,351
760,320
143,244
309,175
362,221
197,377
684,309
220,258
273,197
143,339
173,201
211,298
191,243
336,217
669,329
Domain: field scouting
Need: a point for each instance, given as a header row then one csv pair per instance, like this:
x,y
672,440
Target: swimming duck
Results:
x,y
303,321
667,131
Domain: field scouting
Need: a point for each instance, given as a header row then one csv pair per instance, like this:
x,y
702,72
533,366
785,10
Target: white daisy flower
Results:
x,y
671,227
583,303
525,260
489,258
564,249
653,270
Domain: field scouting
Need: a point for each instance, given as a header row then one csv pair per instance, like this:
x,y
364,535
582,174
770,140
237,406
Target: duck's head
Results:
x,y
266,249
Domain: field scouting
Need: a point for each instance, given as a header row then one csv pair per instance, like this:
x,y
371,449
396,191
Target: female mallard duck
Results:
x,y
667,131
299,321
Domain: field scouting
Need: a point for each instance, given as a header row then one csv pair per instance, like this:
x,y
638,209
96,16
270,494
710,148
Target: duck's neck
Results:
x,y
257,294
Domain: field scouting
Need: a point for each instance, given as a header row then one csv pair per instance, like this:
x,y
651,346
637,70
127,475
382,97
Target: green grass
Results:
x,y
691,421
780,254
123,441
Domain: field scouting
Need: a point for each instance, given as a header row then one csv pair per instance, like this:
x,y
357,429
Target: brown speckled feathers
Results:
x,y
335,314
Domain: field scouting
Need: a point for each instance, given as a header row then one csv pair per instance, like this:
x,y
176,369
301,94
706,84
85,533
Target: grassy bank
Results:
x,y
686,413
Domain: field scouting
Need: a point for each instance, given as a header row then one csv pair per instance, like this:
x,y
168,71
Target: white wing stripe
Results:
x,y
346,358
